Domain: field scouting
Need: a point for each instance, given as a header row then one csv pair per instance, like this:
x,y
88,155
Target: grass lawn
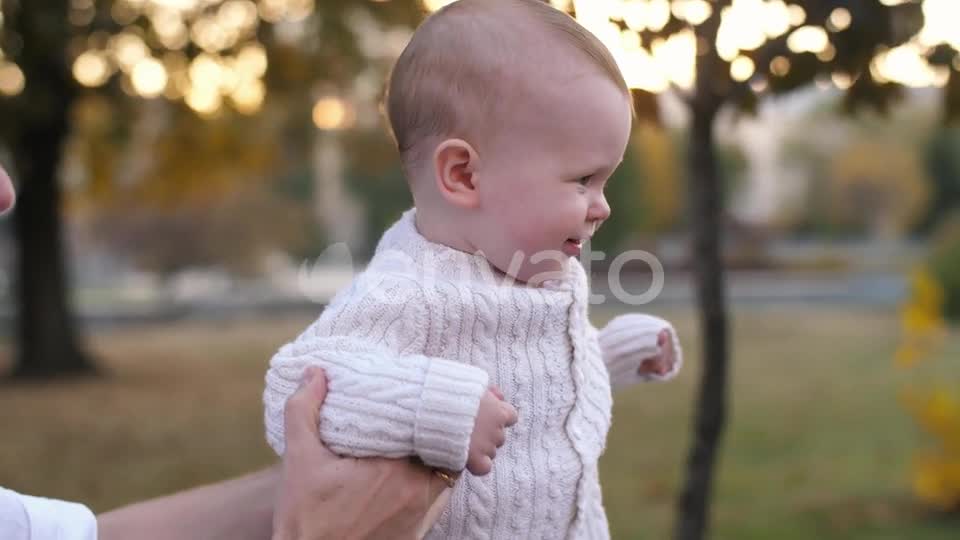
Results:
x,y
817,445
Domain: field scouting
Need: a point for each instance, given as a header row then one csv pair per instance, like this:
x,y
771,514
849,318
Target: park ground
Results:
x,y
818,444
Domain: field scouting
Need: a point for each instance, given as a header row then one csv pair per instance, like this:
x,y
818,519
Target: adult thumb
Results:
x,y
301,414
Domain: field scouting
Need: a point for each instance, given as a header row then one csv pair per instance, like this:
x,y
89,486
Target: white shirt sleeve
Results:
x,y
35,518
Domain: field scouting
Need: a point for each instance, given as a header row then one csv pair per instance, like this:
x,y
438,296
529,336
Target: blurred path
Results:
x,y
747,289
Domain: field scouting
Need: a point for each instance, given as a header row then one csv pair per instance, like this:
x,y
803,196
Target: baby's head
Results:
x,y
509,117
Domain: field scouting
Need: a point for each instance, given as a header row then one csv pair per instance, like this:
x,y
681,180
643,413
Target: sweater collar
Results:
x,y
403,248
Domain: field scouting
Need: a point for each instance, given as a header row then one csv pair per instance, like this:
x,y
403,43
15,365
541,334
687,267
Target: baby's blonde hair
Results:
x,y
463,61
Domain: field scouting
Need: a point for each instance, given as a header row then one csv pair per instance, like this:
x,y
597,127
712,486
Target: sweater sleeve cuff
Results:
x,y
630,339
59,520
447,412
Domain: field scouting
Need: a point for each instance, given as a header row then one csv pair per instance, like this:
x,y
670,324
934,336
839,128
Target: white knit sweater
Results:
x,y
410,347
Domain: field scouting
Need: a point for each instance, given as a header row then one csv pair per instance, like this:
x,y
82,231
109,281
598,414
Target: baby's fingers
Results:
x,y
501,438
510,414
652,365
666,347
480,466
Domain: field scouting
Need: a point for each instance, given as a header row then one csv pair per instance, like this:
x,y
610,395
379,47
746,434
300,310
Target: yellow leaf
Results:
x,y
917,320
907,356
927,292
933,481
941,413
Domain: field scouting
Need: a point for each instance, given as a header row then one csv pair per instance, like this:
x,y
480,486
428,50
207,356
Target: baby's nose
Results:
x,y
599,210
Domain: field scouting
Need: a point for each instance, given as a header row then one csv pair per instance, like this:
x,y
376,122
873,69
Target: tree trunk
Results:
x,y
48,341
706,208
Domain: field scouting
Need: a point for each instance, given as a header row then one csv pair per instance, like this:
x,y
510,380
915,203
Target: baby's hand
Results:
x,y
662,363
489,431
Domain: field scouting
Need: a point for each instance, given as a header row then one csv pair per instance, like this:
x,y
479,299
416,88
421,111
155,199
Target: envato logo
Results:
x,y
334,269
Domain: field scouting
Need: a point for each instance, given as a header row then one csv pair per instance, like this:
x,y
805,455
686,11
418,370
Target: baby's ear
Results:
x,y
455,165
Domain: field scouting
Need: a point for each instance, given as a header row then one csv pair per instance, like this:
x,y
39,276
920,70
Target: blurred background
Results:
x,y
197,177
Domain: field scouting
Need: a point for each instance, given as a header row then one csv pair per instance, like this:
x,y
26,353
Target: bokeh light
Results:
x,y
169,28
248,97
128,49
840,19
841,80
742,68
285,10
210,36
747,25
238,14
812,39
433,5
907,65
827,54
149,78
332,113
12,80
204,100
206,72
941,23
92,69
796,14
780,66
694,12
233,63
759,85
252,60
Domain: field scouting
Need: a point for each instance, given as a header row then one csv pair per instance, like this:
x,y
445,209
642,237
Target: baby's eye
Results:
x,y
584,180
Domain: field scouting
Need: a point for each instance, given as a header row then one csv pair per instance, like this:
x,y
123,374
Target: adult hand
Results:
x,y
7,196
323,496
312,495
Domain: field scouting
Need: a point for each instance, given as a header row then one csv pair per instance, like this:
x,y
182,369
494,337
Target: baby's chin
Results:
x,y
537,269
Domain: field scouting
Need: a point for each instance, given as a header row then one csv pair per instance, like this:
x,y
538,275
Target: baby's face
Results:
x,y
544,173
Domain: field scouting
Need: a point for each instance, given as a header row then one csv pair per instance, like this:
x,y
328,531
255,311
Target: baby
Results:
x,y
509,117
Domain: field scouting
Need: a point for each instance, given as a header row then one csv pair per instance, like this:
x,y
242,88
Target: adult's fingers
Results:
x,y
496,391
301,414
7,196
438,485
438,498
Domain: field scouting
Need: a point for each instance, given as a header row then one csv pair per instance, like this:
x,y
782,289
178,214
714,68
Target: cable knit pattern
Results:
x,y
411,345
384,398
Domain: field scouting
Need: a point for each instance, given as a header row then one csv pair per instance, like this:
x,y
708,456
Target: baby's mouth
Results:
x,y
572,246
